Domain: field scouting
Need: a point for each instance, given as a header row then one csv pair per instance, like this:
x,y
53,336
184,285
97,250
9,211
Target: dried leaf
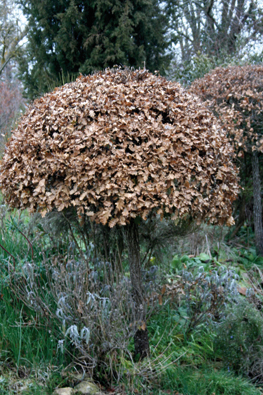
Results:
x,y
163,289
242,290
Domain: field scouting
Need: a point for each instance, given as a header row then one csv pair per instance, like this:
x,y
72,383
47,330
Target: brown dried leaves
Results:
x,y
119,144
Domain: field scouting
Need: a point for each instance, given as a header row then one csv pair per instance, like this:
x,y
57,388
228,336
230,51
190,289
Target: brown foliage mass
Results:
x,y
116,145
235,93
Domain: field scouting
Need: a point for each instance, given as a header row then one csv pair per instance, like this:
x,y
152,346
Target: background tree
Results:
x,y
118,146
11,33
212,32
12,104
236,95
80,36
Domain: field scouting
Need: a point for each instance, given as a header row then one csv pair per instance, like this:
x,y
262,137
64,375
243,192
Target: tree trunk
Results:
x,y
257,207
141,341
241,217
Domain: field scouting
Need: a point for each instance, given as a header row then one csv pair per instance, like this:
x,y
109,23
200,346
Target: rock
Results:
x,y
64,391
87,388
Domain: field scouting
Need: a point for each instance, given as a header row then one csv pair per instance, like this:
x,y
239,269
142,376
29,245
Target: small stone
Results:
x,y
87,388
64,391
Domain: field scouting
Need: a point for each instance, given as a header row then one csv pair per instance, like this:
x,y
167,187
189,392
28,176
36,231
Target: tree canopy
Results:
x,y
117,145
235,94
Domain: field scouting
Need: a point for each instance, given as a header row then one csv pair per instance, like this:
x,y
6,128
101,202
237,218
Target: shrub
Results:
x,y
203,295
240,340
92,310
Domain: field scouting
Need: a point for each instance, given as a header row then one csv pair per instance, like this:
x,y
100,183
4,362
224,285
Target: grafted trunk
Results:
x,y
141,341
257,207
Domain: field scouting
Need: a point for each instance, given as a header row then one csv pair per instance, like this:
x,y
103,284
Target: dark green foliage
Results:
x,y
79,36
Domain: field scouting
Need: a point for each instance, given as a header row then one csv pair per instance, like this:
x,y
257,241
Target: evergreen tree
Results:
x,y
68,37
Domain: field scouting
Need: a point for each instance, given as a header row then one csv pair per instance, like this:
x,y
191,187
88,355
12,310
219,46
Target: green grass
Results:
x,y
24,337
206,381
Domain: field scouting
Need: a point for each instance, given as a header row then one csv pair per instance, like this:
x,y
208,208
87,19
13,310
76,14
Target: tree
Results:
x,y
119,145
11,34
11,104
214,27
11,48
79,36
213,32
236,94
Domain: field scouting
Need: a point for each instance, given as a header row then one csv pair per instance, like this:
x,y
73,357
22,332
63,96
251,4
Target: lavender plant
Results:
x,y
203,294
93,312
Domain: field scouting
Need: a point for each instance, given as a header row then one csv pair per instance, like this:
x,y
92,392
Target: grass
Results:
x,y
24,338
28,349
205,381
29,360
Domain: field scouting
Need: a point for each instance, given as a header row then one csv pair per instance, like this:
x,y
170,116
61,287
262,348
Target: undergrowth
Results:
x,y
195,301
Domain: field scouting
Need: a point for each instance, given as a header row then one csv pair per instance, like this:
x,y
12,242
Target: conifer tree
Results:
x,y
78,36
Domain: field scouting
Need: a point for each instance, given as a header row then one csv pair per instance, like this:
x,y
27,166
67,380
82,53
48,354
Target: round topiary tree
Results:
x,y
118,145
235,94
